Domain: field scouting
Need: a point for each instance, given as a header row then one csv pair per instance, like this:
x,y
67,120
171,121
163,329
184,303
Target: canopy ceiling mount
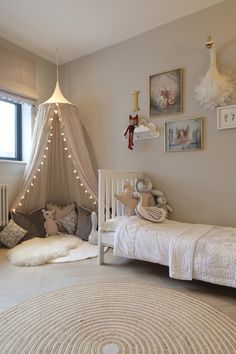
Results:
x,y
57,96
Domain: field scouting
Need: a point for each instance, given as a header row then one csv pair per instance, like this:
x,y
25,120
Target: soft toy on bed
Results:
x,y
50,223
144,185
161,201
150,213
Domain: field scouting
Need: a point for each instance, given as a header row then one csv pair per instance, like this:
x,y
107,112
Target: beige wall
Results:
x,y
11,172
199,185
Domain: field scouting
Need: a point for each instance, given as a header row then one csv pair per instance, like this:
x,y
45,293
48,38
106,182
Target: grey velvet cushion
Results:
x,y
84,225
12,234
33,222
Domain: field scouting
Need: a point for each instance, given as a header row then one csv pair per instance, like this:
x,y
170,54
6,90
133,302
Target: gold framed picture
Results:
x,y
166,93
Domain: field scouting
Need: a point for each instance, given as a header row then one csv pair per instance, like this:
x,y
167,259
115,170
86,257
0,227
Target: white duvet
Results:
x,y
192,251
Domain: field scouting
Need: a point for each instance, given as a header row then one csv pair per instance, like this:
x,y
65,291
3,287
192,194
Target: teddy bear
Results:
x,y
50,223
156,197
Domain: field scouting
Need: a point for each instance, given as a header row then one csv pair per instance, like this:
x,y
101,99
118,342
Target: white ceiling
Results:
x,y
80,27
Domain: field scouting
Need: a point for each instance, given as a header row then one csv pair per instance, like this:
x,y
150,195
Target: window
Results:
x,y
15,129
10,130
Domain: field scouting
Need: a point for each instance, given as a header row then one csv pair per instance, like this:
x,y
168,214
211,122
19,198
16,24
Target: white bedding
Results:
x,y
192,251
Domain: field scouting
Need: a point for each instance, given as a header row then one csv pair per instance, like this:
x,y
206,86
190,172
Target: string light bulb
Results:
x,y
74,171
38,169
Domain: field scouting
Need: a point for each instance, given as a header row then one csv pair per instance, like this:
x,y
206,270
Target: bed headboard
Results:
x,y
109,183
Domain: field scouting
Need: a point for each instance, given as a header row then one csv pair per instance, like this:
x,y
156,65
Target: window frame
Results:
x,y
18,132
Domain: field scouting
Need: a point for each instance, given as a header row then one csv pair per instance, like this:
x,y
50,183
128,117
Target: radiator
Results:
x,y
3,205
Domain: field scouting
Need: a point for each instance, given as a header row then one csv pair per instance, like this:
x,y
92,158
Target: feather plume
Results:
x,y
215,89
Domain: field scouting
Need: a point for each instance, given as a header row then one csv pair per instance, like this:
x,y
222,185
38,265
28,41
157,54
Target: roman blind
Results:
x,y
17,75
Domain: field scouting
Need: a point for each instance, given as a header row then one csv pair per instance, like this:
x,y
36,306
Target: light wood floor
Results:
x,y
19,284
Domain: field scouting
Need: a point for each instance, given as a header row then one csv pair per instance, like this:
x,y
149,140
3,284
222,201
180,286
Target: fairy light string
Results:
x,y
44,157
69,156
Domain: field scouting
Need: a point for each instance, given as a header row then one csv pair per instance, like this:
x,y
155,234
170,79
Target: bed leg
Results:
x,y
101,255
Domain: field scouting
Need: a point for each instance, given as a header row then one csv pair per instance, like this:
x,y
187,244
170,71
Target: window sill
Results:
x,y
13,162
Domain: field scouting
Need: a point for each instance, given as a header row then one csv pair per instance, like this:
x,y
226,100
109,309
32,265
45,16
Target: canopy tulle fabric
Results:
x,y
59,169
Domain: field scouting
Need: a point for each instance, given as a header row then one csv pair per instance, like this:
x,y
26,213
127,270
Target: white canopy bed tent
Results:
x,y
59,169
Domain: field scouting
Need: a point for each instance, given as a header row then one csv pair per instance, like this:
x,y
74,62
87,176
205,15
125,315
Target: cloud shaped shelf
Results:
x,y
145,130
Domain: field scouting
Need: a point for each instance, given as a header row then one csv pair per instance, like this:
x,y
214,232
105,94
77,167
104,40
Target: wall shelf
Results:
x,y
145,130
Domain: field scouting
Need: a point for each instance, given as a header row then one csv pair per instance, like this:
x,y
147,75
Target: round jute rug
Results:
x,y
112,318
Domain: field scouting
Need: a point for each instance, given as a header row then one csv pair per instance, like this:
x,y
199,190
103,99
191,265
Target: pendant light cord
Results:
x,y
57,61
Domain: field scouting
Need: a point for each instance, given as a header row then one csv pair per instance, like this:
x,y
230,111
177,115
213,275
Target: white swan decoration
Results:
x,y
152,213
215,88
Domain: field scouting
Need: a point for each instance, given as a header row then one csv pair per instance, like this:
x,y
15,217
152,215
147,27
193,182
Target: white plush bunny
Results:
x,y
93,237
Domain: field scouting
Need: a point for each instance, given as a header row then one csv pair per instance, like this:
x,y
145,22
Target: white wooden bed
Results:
x,y
109,183
191,251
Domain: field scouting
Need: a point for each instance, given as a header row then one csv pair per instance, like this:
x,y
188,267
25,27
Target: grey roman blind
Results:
x,y
17,75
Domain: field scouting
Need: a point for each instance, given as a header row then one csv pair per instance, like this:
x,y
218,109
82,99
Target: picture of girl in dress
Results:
x,y
183,135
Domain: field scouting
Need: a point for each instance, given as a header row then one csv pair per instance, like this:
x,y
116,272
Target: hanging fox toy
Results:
x,y
133,123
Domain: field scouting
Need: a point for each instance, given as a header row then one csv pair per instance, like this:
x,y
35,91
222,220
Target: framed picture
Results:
x,y
184,135
226,117
166,93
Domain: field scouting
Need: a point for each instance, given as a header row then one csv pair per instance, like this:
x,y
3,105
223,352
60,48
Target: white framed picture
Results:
x,y
226,117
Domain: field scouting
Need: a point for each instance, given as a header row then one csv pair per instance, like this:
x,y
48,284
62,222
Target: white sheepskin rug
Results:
x,y
84,251
39,251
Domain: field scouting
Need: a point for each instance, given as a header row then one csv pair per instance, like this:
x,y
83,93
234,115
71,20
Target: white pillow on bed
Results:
x,y
112,224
